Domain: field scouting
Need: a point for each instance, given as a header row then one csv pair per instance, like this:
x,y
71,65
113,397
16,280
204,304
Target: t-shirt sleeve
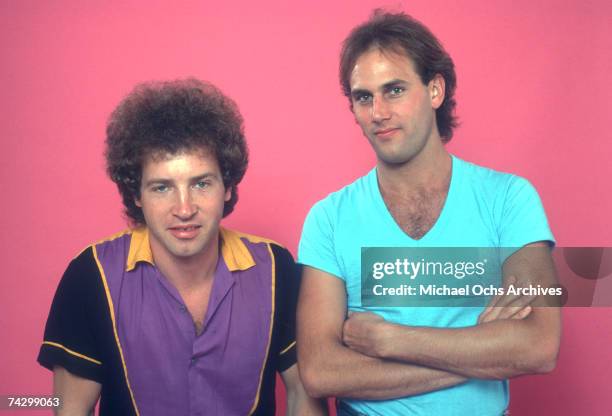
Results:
x,y
70,338
288,275
523,219
317,248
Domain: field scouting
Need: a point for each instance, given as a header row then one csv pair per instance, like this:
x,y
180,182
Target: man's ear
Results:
x,y
137,202
352,109
437,90
228,194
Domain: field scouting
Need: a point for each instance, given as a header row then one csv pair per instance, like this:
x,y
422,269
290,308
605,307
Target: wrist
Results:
x,y
384,339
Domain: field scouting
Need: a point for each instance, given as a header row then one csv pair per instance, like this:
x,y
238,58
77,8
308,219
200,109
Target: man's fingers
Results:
x,y
512,312
515,305
495,301
523,313
508,307
505,312
490,314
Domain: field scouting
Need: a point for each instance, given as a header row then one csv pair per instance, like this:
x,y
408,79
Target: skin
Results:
x,y
79,395
299,403
365,357
182,197
496,348
396,113
394,109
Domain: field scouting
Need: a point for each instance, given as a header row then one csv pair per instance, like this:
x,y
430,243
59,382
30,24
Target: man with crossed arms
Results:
x,y
418,361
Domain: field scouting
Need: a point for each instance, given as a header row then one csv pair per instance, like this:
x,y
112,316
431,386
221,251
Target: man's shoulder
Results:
x,y
107,257
89,250
229,234
356,192
240,250
109,241
84,271
483,173
488,181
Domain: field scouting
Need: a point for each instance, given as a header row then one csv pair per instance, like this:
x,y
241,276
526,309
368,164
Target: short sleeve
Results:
x,y
317,248
288,275
523,218
70,336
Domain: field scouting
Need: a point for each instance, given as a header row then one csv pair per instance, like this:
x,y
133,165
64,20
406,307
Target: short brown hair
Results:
x,y
399,32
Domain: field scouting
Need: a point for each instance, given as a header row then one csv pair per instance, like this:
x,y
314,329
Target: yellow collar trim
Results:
x,y
140,250
235,253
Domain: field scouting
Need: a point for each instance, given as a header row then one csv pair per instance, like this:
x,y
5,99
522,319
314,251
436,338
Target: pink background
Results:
x,y
534,98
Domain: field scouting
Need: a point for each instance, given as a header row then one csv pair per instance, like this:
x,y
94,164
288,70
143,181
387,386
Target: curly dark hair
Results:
x,y
167,118
401,33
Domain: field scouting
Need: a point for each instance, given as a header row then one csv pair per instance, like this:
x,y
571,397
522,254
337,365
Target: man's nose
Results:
x,y
380,109
185,208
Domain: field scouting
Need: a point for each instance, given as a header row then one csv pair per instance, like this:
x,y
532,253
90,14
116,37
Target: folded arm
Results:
x,y
497,349
330,368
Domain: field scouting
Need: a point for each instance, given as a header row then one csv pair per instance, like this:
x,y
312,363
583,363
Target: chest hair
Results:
x,y
197,305
416,211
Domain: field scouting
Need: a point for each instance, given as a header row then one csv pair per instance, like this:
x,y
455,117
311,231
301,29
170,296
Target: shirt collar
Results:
x,y
235,253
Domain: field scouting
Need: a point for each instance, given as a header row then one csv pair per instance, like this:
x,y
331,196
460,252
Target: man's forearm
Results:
x,y
341,372
329,368
495,350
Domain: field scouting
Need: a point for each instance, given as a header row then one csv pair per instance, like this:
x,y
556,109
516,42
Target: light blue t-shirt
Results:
x,y
484,208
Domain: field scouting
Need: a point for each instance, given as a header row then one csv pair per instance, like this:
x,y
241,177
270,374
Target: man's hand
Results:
x,y
361,332
515,336
329,368
364,332
507,306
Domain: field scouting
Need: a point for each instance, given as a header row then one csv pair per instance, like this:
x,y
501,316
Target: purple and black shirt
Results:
x,y
115,319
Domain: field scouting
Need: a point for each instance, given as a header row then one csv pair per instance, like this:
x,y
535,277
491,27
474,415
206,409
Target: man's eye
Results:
x,y
160,188
363,98
396,90
202,185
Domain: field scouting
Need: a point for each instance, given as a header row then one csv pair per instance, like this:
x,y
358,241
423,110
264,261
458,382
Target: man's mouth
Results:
x,y
185,231
383,133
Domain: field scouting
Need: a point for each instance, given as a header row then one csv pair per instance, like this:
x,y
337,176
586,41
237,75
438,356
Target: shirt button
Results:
x,y
182,308
193,360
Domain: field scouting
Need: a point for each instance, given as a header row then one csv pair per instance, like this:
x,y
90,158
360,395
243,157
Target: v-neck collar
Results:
x,y
443,217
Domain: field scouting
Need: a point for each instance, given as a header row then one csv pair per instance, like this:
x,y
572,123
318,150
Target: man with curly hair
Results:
x,y
442,360
176,315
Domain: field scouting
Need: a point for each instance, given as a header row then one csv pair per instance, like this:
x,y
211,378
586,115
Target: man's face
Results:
x,y
393,107
182,197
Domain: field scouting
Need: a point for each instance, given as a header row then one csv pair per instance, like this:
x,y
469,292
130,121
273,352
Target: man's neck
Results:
x,y
431,168
189,272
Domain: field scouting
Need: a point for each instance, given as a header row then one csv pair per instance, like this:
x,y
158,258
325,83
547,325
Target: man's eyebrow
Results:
x,y
162,181
359,91
389,84
393,83
206,175
167,181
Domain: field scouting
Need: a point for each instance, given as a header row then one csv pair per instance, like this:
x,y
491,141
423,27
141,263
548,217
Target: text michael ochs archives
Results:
x,y
437,276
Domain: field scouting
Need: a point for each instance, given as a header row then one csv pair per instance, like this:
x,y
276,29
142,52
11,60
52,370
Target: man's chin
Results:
x,y
186,252
395,160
